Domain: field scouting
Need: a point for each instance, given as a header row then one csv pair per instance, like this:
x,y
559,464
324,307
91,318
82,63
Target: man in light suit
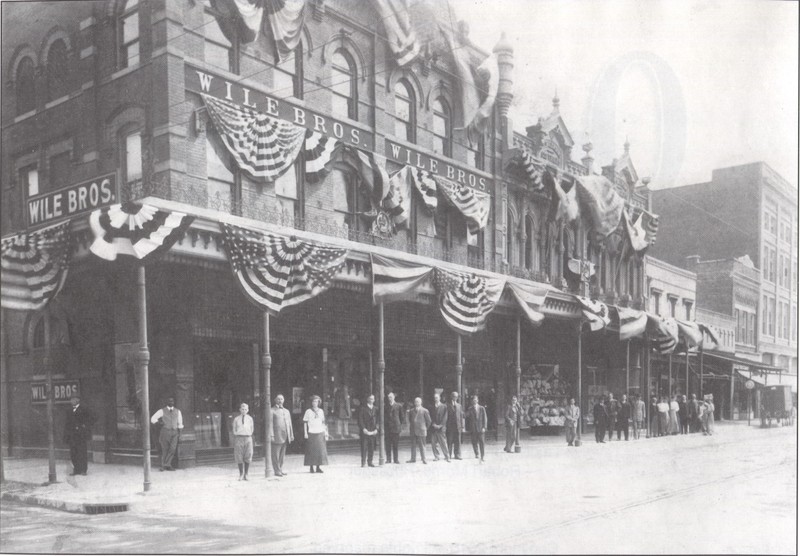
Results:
x,y
419,419
280,435
513,422
455,424
439,429
476,427
395,418
571,417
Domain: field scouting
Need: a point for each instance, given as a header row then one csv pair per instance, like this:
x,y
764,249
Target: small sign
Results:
x,y
64,390
79,198
446,168
749,384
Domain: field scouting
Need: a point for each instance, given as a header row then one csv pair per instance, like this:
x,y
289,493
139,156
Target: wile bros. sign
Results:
x,y
72,200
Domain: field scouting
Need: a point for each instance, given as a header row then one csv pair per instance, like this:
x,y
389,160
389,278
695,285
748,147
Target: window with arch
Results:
x,y
25,86
38,336
344,86
350,202
128,34
442,128
57,69
477,153
131,154
404,116
529,243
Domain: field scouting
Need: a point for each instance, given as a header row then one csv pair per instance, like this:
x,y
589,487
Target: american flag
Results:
x,y
276,271
530,298
35,266
632,323
396,280
399,32
663,333
263,146
641,230
595,313
465,300
136,230
474,205
318,153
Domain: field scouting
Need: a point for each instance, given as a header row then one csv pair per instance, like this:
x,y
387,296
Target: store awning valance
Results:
x,y
749,364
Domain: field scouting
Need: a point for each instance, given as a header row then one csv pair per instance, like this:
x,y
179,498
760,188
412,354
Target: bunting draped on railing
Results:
x,y
533,170
563,202
632,323
466,299
397,202
136,230
663,333
400,34
530,298
318,155
641,230
594,312
286,18
600,197
474,205
263,146
426,185
396,280
34,267
276,272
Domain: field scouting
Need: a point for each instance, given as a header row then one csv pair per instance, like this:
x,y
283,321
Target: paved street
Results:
x,y
695,495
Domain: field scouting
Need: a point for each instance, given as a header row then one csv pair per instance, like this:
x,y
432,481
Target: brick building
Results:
x,y
109,102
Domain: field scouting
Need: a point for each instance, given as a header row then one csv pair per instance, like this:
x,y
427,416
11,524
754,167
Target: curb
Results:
x,y
64,506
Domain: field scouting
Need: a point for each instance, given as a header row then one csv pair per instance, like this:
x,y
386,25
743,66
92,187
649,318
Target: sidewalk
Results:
x,y
114,487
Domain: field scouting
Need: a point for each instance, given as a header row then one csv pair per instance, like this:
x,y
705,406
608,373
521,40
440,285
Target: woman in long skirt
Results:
x,y
316,434
673,427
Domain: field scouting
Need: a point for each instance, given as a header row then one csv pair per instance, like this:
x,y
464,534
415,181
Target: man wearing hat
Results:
x,y
172,423
78,430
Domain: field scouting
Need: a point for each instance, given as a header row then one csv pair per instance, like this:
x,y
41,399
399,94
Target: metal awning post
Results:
x,y
143,360
382,386
266,368
628,367
580,380
669,384
701,371
647,387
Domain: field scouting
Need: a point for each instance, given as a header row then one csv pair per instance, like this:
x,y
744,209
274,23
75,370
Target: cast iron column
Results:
x,y
51,441
382,386
266,366
628,368
649,410
143,361
459,365
580,380
519,357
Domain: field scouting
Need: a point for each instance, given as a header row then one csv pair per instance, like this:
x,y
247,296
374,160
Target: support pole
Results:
x,y
701,371
459,364
266,367
647,387
518,367
580,380
628,368
421,375
51,441
669,384
687,375
733,374
143,360
382,386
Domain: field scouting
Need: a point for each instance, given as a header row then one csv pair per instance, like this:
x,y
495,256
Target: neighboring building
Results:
x,y
724,327
744,210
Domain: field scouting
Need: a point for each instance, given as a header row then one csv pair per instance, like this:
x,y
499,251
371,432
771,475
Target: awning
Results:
x,y
751,366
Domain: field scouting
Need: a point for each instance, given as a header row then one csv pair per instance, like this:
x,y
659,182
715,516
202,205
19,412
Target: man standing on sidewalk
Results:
x,y
243,441
623,416
368,430
280,435
638,414
571,417
476,426
78,431
600,417
683,415
395,418
419,419
439,437
172,423
455,424
513,421
612,410
694,414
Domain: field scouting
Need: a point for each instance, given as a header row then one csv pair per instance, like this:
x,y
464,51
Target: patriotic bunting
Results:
x,y
318,153
534,171
530,299
397,202
276,272
595,313
139,231
474,205
34,267
690,333
394,280
712,334
372,169
465,300
600,197
426,185
563,202
632,323
286,18
663,333
263,146
641,230
399,32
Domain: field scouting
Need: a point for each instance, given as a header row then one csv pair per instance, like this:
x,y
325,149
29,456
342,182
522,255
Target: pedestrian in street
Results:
x,y
77,432
694,414
654,430
476,423
455,424
368,430
674,426
171,420
243,441
571,417
439,426
638,412
395,418
623,416
281,434
708,415
419,419
600,420
316,435
612,411
513,422
663,417
683,415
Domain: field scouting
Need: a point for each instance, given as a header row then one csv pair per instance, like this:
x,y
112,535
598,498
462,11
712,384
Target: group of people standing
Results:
x,y
669,416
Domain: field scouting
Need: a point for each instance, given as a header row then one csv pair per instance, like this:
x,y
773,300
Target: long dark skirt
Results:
x,y
316,451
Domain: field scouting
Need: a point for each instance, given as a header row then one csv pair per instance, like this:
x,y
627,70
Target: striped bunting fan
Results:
x,y
474,205
663,333
263,146
35,266
277,272
465,300
632,323
318,153
534,170
135,230
595,313
426,185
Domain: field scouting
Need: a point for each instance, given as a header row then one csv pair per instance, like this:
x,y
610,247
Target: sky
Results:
x,y
693,85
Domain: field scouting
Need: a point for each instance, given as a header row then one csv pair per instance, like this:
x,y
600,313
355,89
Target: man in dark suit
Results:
x,y
419,419
368,430
600,420
476,423
694,414
683,415
77,432
455,424
395,418
612,409
439,437
623,416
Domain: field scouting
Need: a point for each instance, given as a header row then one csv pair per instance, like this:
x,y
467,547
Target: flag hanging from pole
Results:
x,y
276,272
465,299
600,197
286,19
34,267
690,333
632,323
400,34
396,280
712,334
595,313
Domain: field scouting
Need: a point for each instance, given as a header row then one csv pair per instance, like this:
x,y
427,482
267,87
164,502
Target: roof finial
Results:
x,y
627,145
556,100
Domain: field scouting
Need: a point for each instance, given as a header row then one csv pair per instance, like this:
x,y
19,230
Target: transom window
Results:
x,y
26,86
442,128
129,34
404,117
343,86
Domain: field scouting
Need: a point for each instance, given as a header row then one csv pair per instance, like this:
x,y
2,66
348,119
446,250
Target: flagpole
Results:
x,y
266,367
143,359
382,385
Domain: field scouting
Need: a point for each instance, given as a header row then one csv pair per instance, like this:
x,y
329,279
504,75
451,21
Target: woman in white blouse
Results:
x,y
674,425
316,434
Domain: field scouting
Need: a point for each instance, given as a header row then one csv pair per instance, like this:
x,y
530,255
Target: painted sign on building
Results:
x,y
63,389
73,200
439,166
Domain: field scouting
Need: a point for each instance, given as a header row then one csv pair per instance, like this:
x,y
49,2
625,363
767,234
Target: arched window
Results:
x,y
344,86
404,117
57,70
37,341
529,243
128,34
442,128
26,86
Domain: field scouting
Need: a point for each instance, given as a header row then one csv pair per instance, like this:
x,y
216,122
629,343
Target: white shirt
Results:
x,y
673,406
160,413
315,420
243,427
663,407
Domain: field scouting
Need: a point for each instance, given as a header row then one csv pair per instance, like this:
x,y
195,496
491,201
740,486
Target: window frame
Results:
x,y
25,181
29,94
124,134
444,112
57,74
234,48
350,72
123,59
411,123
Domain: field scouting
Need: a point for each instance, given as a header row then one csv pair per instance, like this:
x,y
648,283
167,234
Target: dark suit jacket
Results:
x,y
455,416
476,419
612,408
78,426
624,411
419,421
694,408
683,410
440,418
395,417
367,419
600,414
